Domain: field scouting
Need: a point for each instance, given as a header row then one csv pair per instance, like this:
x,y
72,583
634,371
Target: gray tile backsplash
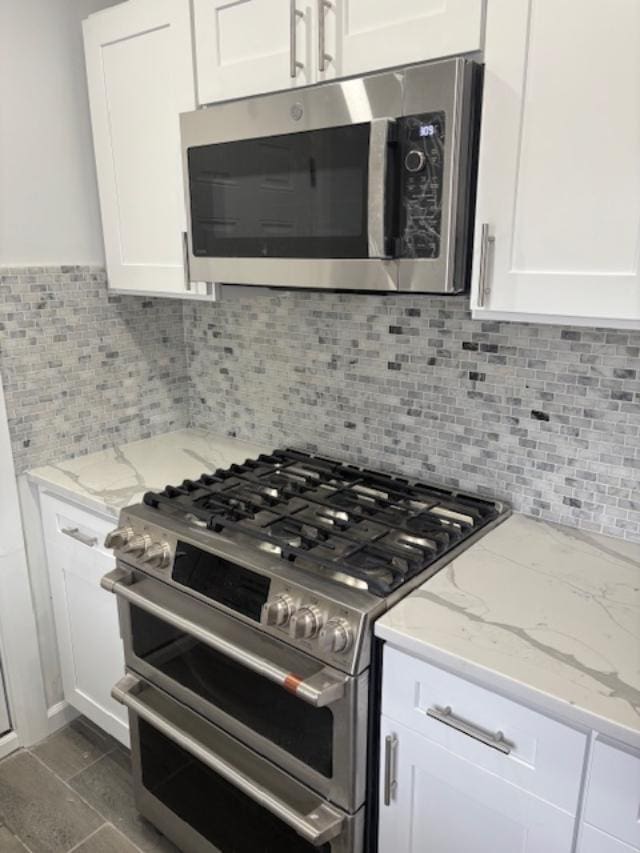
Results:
x,y
546,417
83,369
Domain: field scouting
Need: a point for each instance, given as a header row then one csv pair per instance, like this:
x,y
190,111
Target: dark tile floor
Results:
x,y
73,792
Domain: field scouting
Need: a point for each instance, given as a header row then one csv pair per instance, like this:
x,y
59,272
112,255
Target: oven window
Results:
x,y
301,730
226,817
301,195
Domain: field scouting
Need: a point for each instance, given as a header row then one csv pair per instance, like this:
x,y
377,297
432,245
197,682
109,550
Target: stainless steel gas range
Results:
x,y
246,602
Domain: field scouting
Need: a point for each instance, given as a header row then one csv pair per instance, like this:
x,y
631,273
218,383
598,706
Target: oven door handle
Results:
x,y
321,689
377,195
319,826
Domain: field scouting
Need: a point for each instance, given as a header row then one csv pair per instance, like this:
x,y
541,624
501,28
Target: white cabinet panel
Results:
x,y
140,75
559,173
446,804
613,793
246,47
374,34
86,616
592,840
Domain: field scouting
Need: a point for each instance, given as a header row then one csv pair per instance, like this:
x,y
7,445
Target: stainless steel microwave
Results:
x,y
363,184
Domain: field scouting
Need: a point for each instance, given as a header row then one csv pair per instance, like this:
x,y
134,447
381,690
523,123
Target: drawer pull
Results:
x,y
390,783
495,741
74,533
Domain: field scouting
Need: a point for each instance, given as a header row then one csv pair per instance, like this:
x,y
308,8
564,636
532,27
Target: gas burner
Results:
x,y
360,528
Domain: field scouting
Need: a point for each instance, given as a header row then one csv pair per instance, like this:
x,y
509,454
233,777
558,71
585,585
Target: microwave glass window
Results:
x,y
299,195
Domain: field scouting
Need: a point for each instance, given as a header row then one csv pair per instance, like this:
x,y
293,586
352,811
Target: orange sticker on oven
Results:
x,y
292,682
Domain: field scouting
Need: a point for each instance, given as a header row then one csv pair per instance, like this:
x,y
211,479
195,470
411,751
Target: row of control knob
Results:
x,y
139,545
306,623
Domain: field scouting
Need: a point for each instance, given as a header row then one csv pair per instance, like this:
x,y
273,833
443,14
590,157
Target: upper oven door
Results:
x,y
294,188
308,718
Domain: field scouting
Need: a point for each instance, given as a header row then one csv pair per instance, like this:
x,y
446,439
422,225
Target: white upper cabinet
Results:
x,y
559,172
374,34
251,46
140,73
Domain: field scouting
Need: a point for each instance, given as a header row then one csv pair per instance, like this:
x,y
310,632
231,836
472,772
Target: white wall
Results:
x,y
48,198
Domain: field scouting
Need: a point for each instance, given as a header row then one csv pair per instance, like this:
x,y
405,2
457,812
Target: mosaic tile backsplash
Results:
x,y
545,417
83,369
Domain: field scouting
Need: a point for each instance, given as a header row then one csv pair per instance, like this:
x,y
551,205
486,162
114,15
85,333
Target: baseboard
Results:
x,y
8,744
60,715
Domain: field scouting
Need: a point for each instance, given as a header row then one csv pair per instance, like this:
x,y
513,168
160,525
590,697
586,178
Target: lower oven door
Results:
x,y
309,719
207,792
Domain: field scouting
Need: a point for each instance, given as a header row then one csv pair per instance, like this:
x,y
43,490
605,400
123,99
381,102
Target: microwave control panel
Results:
x,y
421,143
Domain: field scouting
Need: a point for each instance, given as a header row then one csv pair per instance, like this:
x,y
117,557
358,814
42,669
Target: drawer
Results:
x,y
545,757
613,792
64,523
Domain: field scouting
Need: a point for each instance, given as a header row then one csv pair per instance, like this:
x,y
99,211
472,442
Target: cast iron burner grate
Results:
x,y
361,527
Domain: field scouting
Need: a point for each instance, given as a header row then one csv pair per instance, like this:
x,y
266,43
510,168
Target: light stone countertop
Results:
x,y
545,614
111,479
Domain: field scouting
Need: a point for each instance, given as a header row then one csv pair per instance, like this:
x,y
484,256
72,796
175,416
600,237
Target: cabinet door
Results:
x,y
441,802
251,46
86,616
140,74
374,34
559,171
593,840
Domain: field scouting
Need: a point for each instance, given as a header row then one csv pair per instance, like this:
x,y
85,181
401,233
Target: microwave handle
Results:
x,y
321,689
318,827
378,166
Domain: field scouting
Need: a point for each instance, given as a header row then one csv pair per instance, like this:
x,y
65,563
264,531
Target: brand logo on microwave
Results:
x,y
296,111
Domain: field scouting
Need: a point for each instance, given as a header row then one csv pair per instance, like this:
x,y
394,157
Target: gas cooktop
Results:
x,y
359,528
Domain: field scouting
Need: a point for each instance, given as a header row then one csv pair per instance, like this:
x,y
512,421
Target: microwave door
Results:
x,y
303,209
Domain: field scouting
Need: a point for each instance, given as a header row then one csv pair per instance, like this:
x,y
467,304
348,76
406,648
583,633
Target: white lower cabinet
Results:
x,y
594,840
86,616
612,800
441,803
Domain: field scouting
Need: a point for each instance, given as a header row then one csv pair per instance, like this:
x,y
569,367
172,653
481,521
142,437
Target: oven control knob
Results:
x,y
118,537
415,160
137,544
336,636
277,611
158,554
305,623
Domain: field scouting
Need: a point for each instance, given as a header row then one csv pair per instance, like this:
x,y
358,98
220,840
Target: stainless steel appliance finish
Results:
x,y
246,602
417,226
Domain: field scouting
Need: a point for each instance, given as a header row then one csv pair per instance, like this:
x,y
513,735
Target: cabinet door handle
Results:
x,y
185,261
486,241
495,741
74,533
390,783
323,56
295,13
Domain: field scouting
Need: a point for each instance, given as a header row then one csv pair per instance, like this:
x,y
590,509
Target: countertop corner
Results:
x,y
547,614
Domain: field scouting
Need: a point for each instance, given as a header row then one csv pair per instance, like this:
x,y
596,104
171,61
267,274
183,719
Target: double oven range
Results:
x,y
246,603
